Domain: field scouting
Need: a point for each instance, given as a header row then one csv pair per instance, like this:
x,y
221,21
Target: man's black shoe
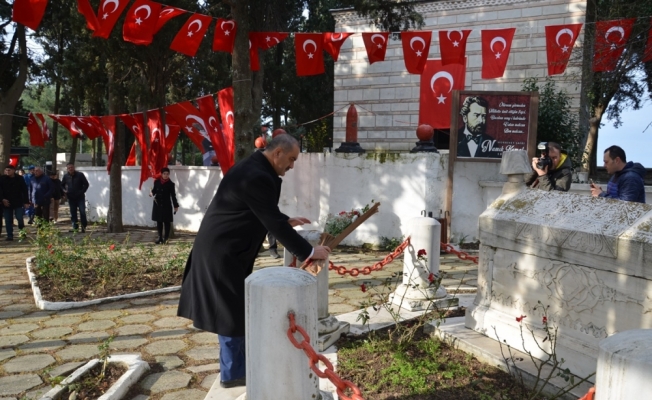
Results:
x,y
9,239
273,253
234,383
83,229
159,241
30,222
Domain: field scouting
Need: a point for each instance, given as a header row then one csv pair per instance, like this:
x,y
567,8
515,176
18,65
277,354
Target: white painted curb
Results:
x,y
64,305
136,368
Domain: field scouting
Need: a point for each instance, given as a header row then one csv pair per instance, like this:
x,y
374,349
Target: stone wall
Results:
x,y
388,95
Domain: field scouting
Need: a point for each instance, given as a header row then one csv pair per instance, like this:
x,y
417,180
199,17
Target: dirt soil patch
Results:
x,y
91,387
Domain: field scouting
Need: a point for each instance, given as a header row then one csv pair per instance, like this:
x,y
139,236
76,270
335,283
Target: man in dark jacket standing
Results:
x,y
14,199
627,181
40,194
559,177
243,210
74,186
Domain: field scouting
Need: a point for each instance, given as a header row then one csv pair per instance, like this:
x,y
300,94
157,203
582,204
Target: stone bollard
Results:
x,y
328,327
270,294
415,292
515,164
625,366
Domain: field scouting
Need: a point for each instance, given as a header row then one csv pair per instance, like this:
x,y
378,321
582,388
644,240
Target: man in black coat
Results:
x,y
243,210
74,186
472,139
14,199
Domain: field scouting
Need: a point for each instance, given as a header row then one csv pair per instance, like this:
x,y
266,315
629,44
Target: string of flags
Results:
x,y
145,18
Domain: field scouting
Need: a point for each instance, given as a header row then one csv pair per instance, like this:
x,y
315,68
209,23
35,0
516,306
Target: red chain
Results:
x,y
314,358
376,267
462,255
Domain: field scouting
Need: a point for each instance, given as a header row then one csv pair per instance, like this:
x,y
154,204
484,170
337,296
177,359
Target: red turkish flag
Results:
x,y
166,14
131,158
90,126
29,12
216,135
309,54
191,34
416,46
109,139
35,132
141,21
84,8
45,131
225,103
333,43
158,156
224,37
436,93
172,130
496,45
647,55
68,122
610,40
264,41
107,16
560,40
452,44
187,116
376,45
136,124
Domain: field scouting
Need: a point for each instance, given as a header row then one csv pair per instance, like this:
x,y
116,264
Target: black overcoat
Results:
x,y
243,210
164,197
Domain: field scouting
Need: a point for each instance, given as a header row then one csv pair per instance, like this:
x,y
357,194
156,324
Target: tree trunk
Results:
x,y
245,118
73,150
589,156
93,152
114,217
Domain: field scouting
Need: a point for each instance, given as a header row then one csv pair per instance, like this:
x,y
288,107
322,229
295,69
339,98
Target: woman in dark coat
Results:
x,y
164,198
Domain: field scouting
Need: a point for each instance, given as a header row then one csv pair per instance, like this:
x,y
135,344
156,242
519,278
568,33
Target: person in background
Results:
x,y
74,186
164,199
627,181
40,194
57,193
28,181
14,199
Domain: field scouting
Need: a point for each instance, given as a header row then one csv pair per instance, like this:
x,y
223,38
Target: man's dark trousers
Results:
x,y
74,205
9,214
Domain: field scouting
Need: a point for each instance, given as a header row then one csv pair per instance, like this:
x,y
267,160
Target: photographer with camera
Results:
x,y
552,170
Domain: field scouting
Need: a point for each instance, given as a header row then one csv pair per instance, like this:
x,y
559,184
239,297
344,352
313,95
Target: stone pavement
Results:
x,y
36,345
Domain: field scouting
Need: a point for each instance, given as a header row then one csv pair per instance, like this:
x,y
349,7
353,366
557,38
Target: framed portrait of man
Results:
x,y
484,125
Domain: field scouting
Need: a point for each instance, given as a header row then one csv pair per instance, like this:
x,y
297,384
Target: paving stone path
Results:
x,y
36,345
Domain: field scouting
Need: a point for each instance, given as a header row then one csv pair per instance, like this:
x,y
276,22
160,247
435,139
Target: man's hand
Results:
x,y
595,190
176,209
320,252
296,221
540,172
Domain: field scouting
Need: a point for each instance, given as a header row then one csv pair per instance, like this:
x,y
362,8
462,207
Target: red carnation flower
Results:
x,y
49,246
519,319
342,212
363,288
355,213
431,277
422,253
112,247
545,319
51,251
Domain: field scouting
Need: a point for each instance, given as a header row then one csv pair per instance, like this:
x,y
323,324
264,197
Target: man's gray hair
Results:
x,y
284,141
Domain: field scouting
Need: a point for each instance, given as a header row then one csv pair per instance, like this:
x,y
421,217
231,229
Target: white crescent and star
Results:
x,y
227,118
210,123
494,41
115,3
312,42
333,39
618,29
562,32
198,120
375,35
135,128
166,11
455,43
199,26
442,74
143,7
418,39
226,31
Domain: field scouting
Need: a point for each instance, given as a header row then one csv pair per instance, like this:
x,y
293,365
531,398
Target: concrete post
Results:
x,y
515,164
271,293
625,366
415,292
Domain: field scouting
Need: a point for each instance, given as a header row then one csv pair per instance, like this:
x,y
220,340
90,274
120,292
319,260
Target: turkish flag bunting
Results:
x,y
131,158
264,41
376,45
45,131
14,159
436,93
416,46
187,116
90,126
172,130
108,15
496,44
224,37
452,44
158,156
610,40
191,34
35,132
68,122
166,14
84,8
109,139
136,124
225,103
140,22
309,54
647,56
224,157
29,12
560,40
333,43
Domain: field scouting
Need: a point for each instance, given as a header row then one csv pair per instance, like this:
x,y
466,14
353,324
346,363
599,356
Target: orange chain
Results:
x,y
376,267
462,255
314,358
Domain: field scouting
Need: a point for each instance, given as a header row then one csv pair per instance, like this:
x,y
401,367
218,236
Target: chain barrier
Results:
x,y
314,358
589,395
369,269
460,254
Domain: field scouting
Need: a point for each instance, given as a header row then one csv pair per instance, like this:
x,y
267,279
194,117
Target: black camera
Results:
x,y
544,159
